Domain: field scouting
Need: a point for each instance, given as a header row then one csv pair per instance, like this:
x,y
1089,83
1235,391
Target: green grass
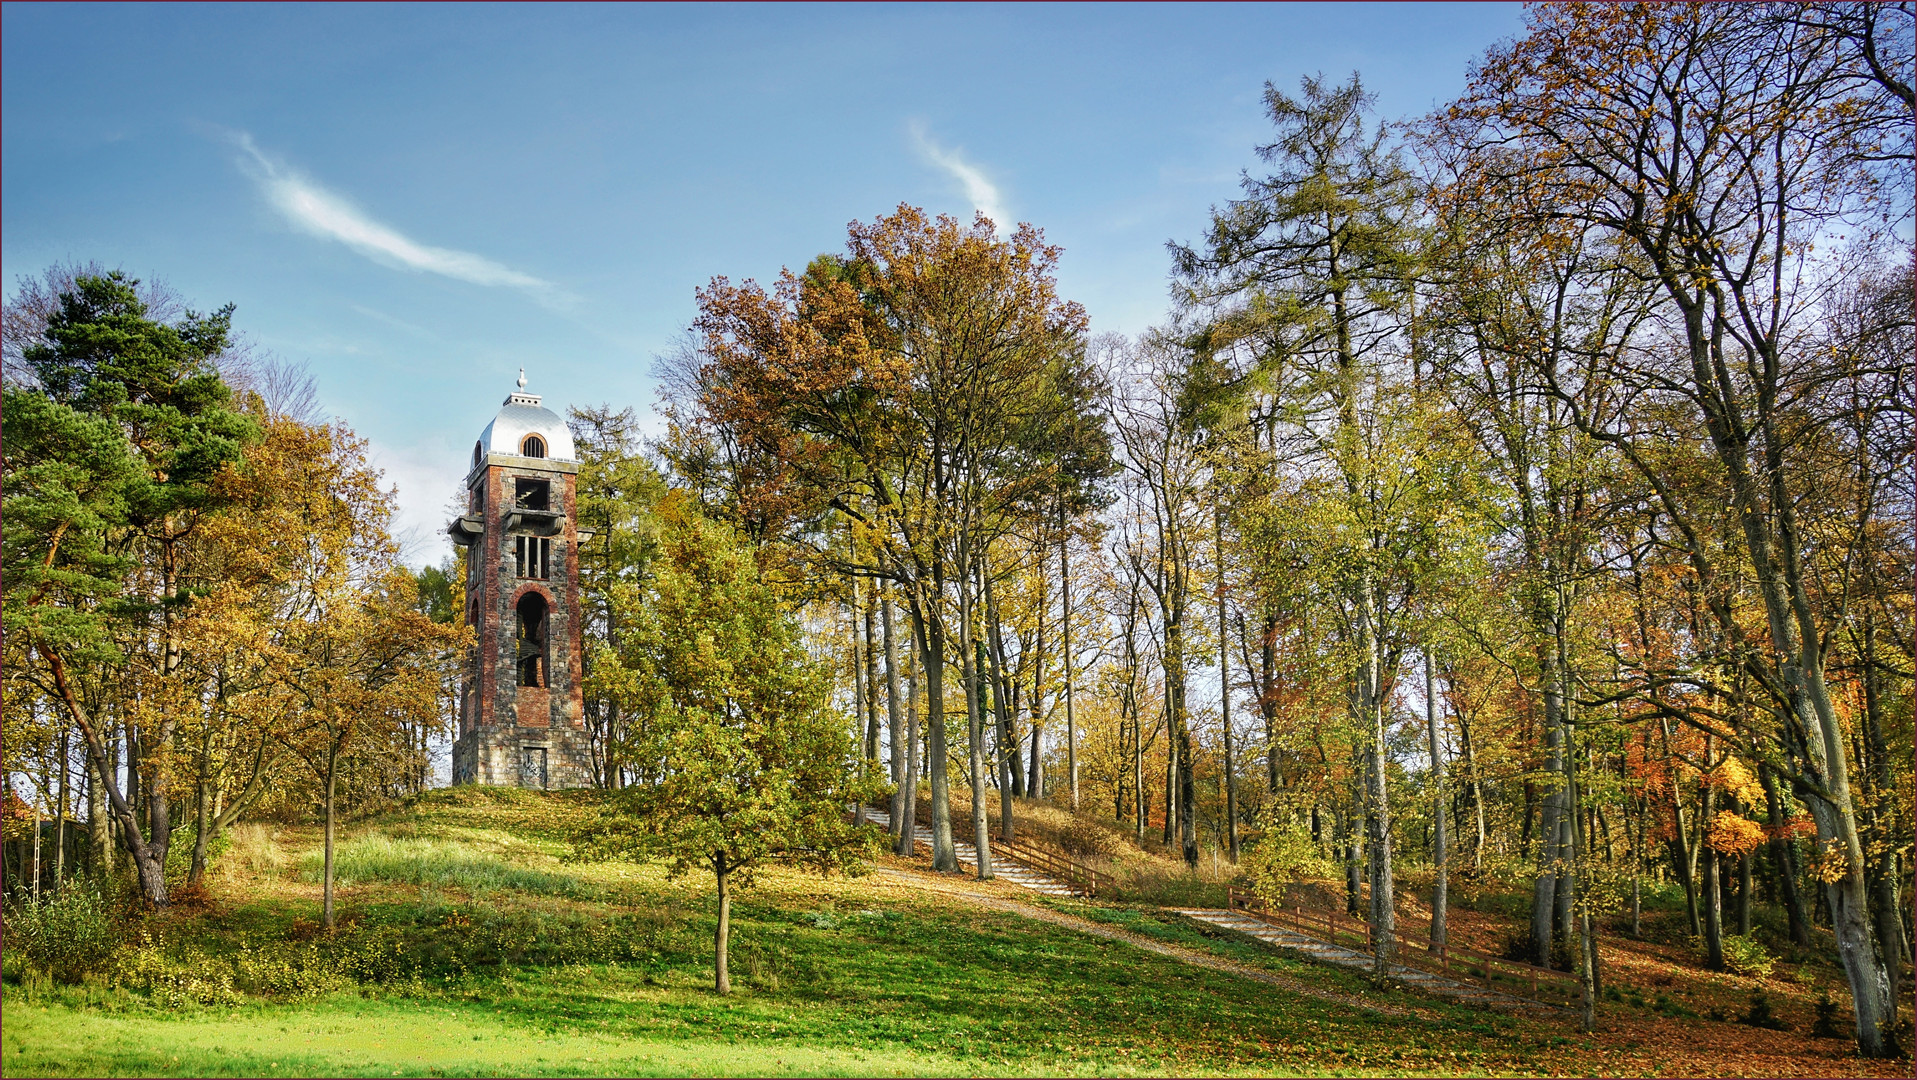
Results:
x,y
469,949
435,862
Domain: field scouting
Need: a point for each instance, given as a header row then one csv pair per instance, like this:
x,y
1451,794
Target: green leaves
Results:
x,y
102,356
742,755
66,486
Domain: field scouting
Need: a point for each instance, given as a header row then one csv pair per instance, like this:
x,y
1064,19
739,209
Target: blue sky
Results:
x,y
415,201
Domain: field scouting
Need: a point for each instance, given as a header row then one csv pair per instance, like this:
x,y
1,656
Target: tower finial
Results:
x,y
522,378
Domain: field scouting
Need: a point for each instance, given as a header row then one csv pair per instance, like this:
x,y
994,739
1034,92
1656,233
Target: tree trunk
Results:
x,y
1744,894
975,729
1784,860
1065,653
1478,834
1224,696
332,778
1178,714
932,661
859,695
202,794
721,976
197,869
1171,781
1006,756
1881,871
871,677
99,831
1550,857
1035,779
60,818
1138,775
1267,700
1349,824
1440,886
908,843
995,718
1713,913
901,793
149,860
1572,882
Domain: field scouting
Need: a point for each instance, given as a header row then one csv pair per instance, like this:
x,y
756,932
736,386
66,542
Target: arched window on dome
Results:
x,y
478,453
534,446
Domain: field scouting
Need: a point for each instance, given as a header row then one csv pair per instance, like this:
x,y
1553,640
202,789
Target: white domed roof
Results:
x,y
520,416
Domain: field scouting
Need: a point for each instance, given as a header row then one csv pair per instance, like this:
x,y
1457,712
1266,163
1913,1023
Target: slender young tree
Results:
x,y
746,760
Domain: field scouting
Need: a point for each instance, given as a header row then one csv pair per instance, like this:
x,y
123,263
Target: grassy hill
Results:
x,y
470,946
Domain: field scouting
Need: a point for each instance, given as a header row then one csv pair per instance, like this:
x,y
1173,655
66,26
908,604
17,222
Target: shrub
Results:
x,y
1746,957
1760,1014
1281,856
68,935
1825,1026
191,978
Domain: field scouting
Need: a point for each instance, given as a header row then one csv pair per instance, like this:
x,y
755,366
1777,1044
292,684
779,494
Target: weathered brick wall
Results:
x,y
507,728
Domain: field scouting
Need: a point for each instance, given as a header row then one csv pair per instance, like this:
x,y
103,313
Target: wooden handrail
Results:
x,y
1039,859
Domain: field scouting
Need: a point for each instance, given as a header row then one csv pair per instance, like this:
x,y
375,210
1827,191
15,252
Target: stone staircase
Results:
x,y
1324,952
1003,868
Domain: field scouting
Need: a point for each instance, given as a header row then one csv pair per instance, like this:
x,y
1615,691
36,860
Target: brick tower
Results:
x,y
520,716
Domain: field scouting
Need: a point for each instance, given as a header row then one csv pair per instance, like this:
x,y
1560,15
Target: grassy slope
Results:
x,y
511,962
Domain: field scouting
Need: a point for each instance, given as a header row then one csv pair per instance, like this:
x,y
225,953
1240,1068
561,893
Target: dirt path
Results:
x,y
930,883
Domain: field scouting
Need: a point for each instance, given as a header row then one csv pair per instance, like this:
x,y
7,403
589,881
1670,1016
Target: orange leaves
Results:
x,y
1733,834
1792,829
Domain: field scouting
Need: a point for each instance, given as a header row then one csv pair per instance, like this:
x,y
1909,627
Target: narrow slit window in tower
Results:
x,y
532,557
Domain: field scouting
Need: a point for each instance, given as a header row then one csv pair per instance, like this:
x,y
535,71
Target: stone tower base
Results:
x,y
545,758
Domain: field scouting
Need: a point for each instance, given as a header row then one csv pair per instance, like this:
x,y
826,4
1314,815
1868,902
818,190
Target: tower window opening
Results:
x,y
534,446
532,557
532,494
532,640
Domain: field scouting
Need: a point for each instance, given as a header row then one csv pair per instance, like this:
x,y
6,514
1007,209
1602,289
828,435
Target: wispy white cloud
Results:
x,y
984,195
395,322
314,209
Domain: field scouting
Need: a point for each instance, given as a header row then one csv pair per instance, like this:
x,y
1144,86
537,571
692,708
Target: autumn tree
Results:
x,y
926,386
1723,150
742,761
357,659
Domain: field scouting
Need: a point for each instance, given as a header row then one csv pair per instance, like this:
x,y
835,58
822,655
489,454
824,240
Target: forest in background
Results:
x,y
1520,495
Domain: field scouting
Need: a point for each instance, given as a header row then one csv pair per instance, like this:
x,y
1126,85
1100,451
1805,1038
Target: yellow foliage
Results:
x,y
1734,776
1831,865
1733,834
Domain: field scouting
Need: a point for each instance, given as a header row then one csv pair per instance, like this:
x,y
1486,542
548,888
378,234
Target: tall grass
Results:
x,y
255,849
438,863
